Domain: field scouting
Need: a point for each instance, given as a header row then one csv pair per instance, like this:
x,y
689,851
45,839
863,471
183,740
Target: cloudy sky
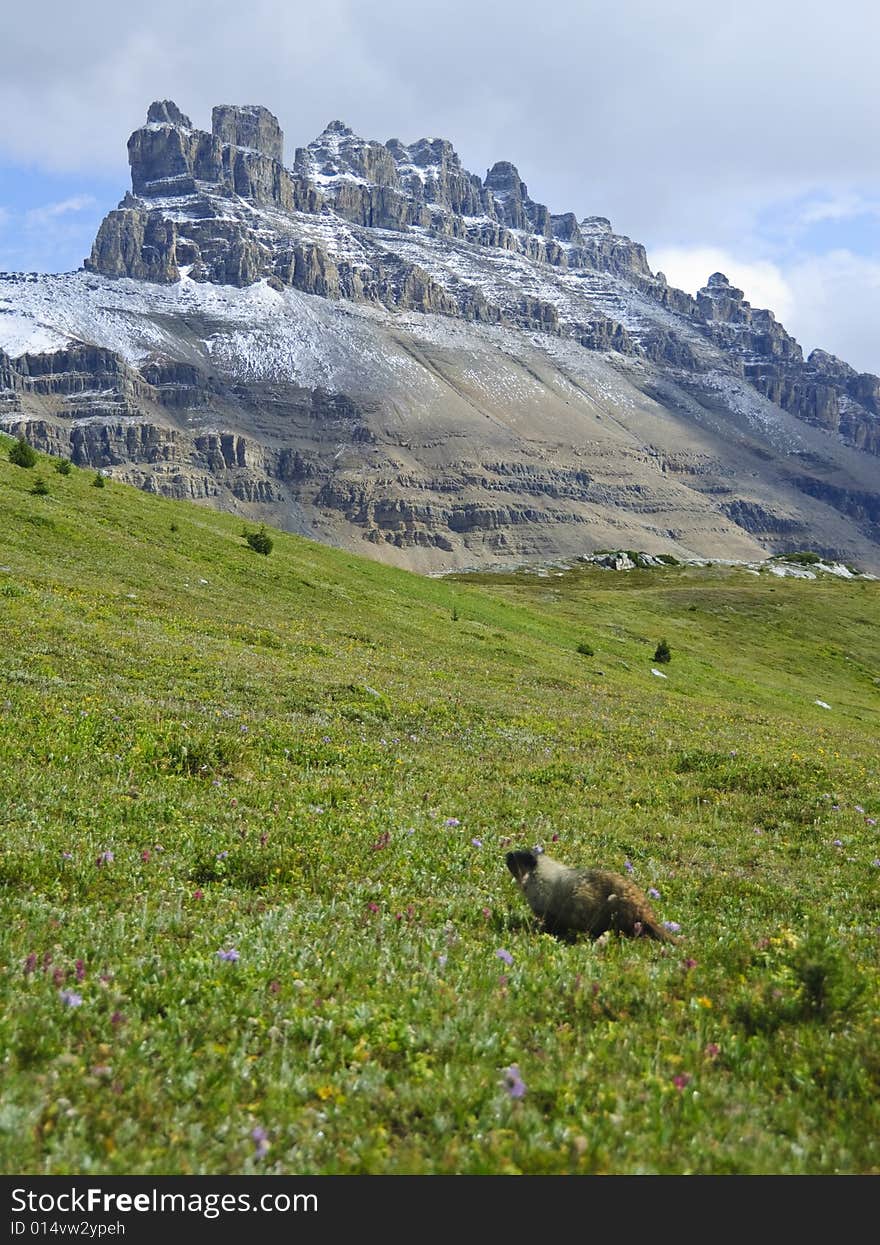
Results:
x,y
735,137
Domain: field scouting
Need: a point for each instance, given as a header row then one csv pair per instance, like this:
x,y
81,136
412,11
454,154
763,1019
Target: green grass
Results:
x,y
295,756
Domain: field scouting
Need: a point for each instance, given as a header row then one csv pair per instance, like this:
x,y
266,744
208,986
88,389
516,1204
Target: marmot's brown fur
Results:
x,y
583,900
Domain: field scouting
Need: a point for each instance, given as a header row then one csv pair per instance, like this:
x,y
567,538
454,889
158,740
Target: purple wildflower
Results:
x,y
628,865
876,864
80,970
222,855
681,1080
837,842
672,926
504,955
653,892
452,821
70,998
858,808
30,964
513,1082
712,1051
105,858
870,821
230,954
441,960
67,855
477,842
260,1138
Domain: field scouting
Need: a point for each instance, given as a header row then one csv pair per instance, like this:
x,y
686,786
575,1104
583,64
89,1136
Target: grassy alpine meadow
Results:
x,y
255,910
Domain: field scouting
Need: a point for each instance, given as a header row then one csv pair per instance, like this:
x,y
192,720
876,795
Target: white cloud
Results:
x,y
49,212
836,306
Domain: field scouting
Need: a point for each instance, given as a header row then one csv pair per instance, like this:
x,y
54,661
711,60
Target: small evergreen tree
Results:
x,y
261,541
99,481
22,454
41,488
63,466
662,652
586,650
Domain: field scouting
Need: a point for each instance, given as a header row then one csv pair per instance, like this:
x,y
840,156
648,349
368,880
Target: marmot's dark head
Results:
x,y
521,864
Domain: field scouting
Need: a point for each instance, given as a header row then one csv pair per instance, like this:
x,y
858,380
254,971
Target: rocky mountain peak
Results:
x,y
166,112
338,152
503,180
250,126
275,374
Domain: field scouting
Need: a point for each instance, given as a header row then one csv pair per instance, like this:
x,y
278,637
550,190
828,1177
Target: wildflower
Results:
x,y
264,839
67,855
689,964
70,998
875,864
870,821
477,842
117,1019
105,858
513,1082
672,926
452,821
383,840
628,865
712,1051
274,986
653,892
30,964
681,1080
222,855
80,970
231,955
504,955
199,894
554,838
858,808
703,1001
441,960
373,907
260,1138
837,842
58,976
145,855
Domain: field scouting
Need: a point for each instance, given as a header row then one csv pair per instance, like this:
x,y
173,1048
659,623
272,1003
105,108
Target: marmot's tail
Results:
x,y
653,929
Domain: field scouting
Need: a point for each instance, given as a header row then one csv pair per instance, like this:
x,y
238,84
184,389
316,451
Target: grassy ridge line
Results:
x,y
304,759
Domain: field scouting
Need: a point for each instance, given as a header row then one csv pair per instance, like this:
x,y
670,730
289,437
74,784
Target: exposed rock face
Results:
x,y
318,342
250,126
823,391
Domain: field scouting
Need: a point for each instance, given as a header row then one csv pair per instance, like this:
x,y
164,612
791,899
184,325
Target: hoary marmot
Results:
x,y
583,900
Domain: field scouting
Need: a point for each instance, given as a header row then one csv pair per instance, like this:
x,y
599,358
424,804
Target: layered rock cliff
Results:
x,y
374,345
